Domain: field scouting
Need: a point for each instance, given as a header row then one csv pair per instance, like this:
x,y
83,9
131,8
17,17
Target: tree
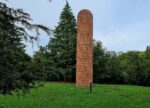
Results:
x,y
63,45
113,68
144,78
61,50
99,63
14,73
131,66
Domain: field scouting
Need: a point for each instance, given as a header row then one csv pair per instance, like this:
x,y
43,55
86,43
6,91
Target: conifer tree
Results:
x,y
62,46
14,27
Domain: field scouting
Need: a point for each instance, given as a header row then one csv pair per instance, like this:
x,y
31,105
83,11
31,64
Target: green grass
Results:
x,y
63,95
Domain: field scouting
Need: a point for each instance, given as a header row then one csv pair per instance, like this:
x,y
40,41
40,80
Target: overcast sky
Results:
x,y
121,25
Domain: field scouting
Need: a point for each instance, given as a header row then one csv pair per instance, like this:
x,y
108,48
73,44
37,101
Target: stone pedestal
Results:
x,y
84,66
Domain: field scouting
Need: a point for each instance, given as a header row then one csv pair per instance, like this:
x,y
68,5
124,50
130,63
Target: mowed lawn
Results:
x,y
64,95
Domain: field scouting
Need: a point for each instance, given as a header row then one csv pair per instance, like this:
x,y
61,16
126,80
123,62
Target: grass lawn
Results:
x,y
63,95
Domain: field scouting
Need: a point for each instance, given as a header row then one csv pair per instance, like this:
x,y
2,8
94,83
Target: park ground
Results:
x,y
66,95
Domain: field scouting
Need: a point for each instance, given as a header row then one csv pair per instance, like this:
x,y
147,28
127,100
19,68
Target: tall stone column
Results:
x,y
84,66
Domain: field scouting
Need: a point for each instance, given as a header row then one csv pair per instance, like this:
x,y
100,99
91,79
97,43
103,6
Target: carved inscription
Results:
x,y
86,40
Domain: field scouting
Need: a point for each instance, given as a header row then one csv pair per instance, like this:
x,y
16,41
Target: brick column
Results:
x,y
84,66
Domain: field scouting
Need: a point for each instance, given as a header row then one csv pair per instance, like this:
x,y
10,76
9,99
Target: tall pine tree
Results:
x,y
62,46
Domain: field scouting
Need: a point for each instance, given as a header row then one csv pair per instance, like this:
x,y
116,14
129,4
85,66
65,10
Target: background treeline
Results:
x,y
131,67
57,60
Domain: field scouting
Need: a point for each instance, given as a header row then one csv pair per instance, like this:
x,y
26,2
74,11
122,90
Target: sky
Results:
x,y
121,25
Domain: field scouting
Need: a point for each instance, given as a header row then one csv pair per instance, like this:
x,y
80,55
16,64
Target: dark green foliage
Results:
x,y
113,68
14,62
144,78
131,67
41,63
106,65
59,58
99,64
134,67
62,46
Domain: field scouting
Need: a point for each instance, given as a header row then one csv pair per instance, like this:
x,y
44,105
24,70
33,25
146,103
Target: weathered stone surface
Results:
x,y
84,67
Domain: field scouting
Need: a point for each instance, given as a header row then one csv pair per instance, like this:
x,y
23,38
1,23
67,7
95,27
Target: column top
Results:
x,y
85,11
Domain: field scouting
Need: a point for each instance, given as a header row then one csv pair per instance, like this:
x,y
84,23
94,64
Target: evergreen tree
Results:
x,y
99,62
14,72
62,46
